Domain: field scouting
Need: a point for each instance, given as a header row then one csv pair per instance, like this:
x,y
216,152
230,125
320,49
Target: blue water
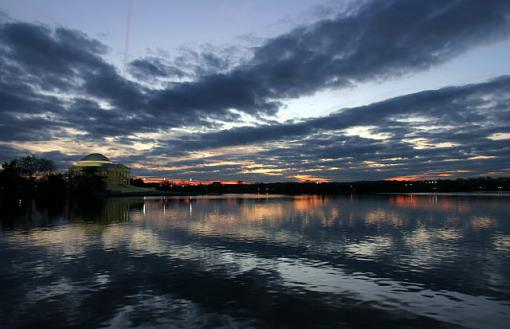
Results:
x,y
257,261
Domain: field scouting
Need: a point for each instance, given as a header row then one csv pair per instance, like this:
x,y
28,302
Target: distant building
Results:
x,y
97,164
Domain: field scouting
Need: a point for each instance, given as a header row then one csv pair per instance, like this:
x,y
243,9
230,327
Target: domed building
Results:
x,y
97,164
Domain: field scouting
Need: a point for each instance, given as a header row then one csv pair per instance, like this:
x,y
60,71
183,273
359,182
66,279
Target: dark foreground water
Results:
x,y
257,261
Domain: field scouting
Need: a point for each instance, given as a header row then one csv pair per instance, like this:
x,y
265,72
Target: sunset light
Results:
x,y
255,164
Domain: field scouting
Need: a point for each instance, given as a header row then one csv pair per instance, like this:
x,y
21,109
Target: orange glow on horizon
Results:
x,y
172,181
308,178
426,176
402,178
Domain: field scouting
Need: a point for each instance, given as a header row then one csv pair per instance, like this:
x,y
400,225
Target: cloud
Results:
x,y
379,40
152,68
474,104
187,64
447,130
54,80
368,44
376,40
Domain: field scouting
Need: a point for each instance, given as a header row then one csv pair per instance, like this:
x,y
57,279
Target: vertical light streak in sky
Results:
x,y
128,34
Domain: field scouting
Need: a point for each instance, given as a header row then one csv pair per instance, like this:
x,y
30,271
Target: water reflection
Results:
x,y
258,261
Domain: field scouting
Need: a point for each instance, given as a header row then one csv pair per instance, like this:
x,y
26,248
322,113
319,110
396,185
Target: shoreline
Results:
x,y
170,193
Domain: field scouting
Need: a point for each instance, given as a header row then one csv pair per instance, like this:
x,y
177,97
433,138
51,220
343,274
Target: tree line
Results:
x,y
33,177
477,184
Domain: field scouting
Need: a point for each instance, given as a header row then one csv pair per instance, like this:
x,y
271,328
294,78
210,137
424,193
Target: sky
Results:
x,y
258,90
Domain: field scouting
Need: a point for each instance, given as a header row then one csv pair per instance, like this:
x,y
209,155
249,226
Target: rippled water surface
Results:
x,y
258,261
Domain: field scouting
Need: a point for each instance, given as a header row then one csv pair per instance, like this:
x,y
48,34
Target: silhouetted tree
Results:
x,y
46,166
18,178
9,166
31,165
137,182
27,165
11,183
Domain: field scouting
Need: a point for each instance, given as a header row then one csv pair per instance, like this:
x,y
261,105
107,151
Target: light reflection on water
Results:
x,y
258,261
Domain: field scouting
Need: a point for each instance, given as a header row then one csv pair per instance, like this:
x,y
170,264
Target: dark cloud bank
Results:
x,y
447,131
56,78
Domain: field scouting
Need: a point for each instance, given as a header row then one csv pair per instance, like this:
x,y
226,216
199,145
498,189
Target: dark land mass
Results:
x,y
30,177
480,184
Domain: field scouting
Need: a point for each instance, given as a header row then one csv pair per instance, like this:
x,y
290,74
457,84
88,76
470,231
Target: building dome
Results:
x,y
113,174
96,157
94,160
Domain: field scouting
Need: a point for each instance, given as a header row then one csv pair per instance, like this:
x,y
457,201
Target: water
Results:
x,y
258,261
